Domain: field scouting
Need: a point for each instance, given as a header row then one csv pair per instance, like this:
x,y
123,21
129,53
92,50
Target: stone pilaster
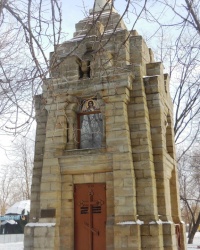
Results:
x,y
118,142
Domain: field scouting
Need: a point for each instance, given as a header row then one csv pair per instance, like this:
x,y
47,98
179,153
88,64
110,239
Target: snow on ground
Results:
x,y
196,242
19,245
12,246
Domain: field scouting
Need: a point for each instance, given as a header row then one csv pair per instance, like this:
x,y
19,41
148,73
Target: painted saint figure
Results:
x,y
91,106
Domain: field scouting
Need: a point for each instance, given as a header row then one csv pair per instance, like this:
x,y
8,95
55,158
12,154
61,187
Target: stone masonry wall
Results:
x,y
137,158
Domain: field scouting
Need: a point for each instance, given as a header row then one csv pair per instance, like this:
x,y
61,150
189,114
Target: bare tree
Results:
x,y
16,176
177,40
185,89
6,190
28,30
22,165
189,178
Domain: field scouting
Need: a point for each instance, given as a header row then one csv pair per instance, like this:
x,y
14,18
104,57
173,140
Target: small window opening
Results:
x,y
84,69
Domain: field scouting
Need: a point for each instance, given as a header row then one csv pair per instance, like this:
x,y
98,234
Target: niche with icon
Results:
x,y
90,125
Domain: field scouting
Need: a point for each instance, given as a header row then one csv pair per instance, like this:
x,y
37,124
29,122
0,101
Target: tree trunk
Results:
x,y
194,230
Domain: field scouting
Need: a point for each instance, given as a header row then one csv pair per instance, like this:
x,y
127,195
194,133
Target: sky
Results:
x,y
74,11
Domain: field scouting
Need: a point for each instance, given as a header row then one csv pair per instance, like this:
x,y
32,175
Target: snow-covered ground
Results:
x,y
12,246
19,245
196,242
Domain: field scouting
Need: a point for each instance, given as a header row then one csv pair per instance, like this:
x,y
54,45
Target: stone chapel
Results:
x,y
105,175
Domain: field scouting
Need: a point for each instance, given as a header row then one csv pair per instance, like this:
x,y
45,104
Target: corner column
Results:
x,y
126,230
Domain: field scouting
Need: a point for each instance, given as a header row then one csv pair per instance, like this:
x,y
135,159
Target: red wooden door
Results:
x,y
90,216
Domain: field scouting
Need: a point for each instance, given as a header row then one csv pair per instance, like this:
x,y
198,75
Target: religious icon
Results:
x,y
90,105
